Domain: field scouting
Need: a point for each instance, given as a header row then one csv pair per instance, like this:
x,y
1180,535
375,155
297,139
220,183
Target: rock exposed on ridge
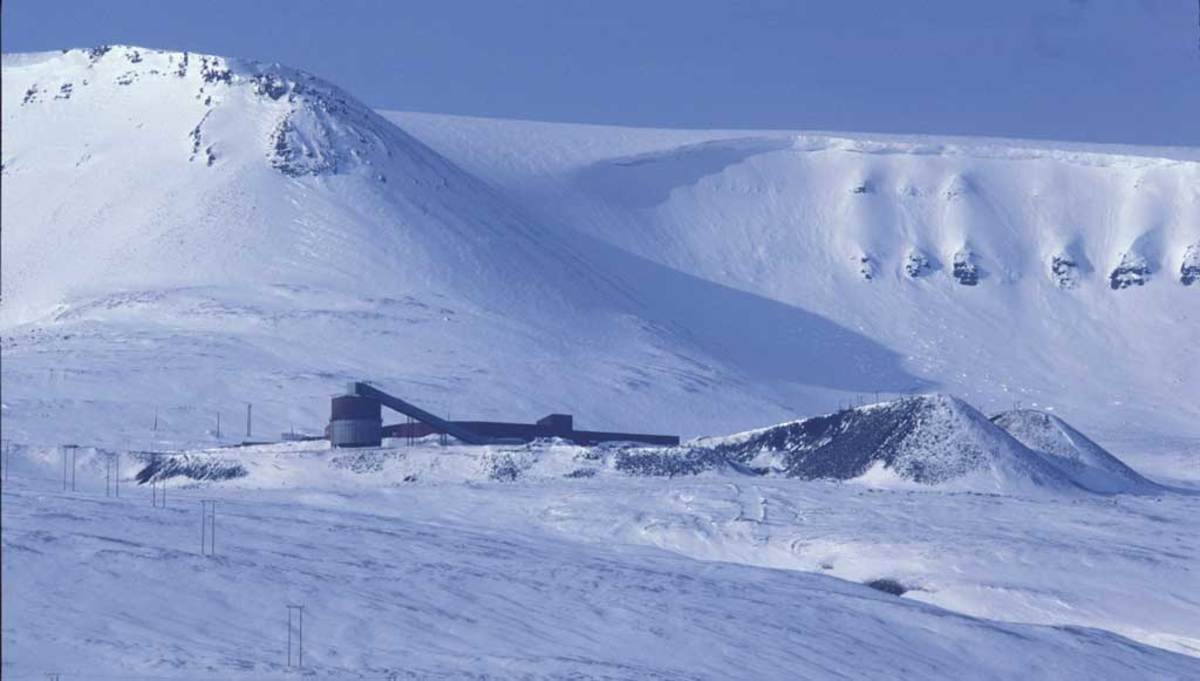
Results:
x,y
966,271
1133,270
1189,269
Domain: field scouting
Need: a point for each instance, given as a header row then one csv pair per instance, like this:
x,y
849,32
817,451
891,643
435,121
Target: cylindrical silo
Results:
x,y
355,421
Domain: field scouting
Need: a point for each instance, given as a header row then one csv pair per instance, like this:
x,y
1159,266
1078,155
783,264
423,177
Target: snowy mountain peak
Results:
x,y
177,169
300,125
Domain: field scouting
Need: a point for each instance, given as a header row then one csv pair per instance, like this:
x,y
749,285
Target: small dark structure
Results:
x,y
356,420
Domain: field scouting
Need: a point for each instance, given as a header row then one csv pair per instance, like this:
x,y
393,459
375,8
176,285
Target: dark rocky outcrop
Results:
x,y
917,264
966,271
1064,271
1133,270
1189,269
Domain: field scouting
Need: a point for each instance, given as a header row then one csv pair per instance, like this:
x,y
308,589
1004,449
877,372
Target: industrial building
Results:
x,y
356,420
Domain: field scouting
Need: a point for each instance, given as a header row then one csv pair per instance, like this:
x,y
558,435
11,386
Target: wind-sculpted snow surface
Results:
x,y
547,561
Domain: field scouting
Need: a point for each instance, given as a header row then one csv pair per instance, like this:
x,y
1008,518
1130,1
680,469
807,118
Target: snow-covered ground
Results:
x,y
448,562
186,234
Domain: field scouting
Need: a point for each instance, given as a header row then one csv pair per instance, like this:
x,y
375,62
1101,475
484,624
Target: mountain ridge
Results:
x,y
659,280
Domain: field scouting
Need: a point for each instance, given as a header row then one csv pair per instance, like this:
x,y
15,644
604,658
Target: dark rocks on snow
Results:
x,y
866,267
292,157
191,467
212,72
917,265
127,78
846,444
669,462
864,188
1133,271
504,469
1064,271
1189,269
888,586
94,54
965,269
269,85
64,91
197,142
31,94
134,56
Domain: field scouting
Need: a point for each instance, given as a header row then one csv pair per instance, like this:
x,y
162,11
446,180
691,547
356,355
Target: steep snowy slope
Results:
x,y
934,440
1086,462
185,233
1061,276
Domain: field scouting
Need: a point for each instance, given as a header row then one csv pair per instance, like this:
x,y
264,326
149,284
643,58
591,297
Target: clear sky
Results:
x,y
1093,70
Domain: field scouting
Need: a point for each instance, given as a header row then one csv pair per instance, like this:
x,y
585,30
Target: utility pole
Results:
x,y
156,419
65,456
296,613
156,484
218,425
249,409
208,527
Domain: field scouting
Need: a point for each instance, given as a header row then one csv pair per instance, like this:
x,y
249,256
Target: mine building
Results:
x,y
356,420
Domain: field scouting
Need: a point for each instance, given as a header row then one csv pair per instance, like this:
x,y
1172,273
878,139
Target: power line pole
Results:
x,y
208,527
218,425
249,410
158,486
72,456
296,614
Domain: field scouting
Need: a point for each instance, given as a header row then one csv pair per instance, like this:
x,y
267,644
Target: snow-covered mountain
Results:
x,y
1061,276
203,232
186,233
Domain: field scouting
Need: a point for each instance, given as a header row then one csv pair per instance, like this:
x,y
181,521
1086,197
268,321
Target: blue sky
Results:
x,y
1092,70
